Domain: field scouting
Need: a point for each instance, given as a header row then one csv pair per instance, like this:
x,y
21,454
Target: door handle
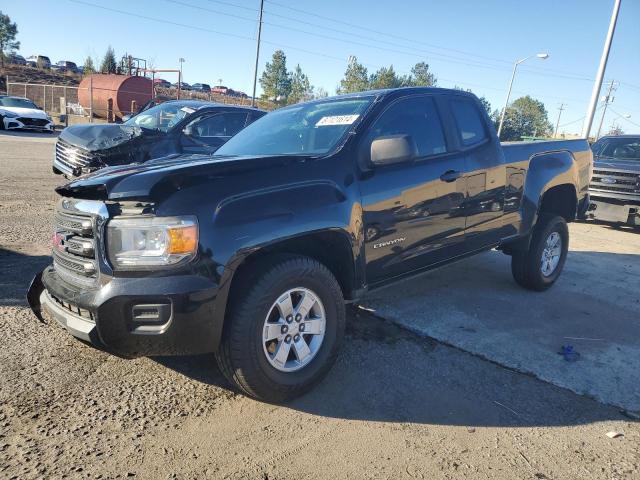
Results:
x,y
450,176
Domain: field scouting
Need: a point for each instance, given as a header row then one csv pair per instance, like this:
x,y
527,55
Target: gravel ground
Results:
x,y
395,405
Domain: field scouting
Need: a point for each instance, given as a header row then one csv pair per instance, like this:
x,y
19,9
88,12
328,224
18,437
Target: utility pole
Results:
x,y
607,100
255,71
588,121
560,109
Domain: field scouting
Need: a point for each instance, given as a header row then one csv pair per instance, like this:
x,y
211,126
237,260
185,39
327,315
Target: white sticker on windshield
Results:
x,y
337,120
187,110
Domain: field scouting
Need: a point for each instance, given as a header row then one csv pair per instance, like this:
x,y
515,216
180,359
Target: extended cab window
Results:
x,y
220,125
414,116
469,120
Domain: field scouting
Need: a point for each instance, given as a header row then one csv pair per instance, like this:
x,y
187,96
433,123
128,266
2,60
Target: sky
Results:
x,y
467,43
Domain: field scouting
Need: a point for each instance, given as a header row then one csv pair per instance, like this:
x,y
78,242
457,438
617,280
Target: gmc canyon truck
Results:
x,y
615,187
253,252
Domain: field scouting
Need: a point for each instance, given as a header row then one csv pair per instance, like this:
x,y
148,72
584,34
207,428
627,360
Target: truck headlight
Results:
x,y
151,241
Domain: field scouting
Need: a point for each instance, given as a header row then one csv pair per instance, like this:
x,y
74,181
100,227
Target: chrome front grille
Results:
x,y
72,158
75,252
615,181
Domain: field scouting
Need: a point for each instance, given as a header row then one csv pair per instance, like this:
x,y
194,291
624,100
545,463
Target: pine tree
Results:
x,y
421,76
385,78
356,78
109,62
8,32
275,80
301,88
88,68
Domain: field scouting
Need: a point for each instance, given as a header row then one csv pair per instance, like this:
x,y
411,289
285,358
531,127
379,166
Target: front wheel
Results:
x,y
540,266
284,329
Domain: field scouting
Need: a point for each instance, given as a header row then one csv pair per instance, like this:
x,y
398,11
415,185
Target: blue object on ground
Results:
x,y
569,354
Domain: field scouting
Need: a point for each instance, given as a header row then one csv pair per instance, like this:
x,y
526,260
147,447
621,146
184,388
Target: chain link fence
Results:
x,y
63,104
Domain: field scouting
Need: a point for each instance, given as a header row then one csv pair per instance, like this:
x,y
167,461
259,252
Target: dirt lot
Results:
x,y
396,405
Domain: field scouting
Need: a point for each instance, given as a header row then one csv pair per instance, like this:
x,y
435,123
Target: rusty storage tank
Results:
x,y
123,89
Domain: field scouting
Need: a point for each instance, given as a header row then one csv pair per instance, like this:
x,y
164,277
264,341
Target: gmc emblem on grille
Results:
x,y
608,180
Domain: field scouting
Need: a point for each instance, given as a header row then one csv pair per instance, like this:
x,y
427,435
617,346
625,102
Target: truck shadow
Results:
x,y
16,272
387,374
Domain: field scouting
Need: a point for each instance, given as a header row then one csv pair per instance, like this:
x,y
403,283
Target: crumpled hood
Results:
x,y
154,179
99,137
617,163
25,112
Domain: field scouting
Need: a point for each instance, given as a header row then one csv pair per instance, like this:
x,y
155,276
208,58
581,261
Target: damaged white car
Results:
x,y
17,113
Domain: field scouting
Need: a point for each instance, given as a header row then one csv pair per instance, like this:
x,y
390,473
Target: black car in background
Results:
x,y
201,87
65,66
615,186
174,127
17,59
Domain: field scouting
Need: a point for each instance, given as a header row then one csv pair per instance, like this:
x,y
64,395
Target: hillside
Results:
x,y
22,74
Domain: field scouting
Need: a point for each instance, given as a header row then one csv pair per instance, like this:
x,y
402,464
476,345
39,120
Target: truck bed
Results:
x,y
515,152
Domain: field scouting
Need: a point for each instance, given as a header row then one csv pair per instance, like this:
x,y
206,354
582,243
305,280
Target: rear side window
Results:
x,y
220,125
414,116
469,120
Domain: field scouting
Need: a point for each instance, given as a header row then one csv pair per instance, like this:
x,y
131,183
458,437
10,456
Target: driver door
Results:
x,y
208,133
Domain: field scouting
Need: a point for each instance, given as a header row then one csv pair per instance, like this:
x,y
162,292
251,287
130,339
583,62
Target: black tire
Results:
x,y
1,122
241,357
526,266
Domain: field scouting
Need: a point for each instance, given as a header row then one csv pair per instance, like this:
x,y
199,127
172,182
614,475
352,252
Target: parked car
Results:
x,y
220,90
65,66
39,61
160,82
183,85
17,113
17,59
252,252
174,127
201,87
615,186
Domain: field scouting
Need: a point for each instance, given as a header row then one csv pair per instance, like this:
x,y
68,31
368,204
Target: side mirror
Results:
x,y
126,118
392,149
188,131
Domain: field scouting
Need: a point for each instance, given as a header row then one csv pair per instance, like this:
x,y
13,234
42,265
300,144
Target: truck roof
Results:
x,y
389,91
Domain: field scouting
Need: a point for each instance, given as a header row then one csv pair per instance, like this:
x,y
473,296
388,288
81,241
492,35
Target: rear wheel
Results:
x,y
284,330
540,266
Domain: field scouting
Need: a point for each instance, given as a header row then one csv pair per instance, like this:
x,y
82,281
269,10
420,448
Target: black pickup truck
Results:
x,y
252,253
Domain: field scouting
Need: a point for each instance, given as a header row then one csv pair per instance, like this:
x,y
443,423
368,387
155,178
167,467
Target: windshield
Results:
x,y
161,117
16,103
305,129
625,148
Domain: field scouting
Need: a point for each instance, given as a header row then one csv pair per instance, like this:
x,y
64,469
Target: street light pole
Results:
x,y
588,121
255,71
560,109
181,60
542,56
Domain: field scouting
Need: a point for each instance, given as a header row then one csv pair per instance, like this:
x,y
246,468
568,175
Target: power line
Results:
x,y
507,66
624,118
310,52
438,56
379,32
442,57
